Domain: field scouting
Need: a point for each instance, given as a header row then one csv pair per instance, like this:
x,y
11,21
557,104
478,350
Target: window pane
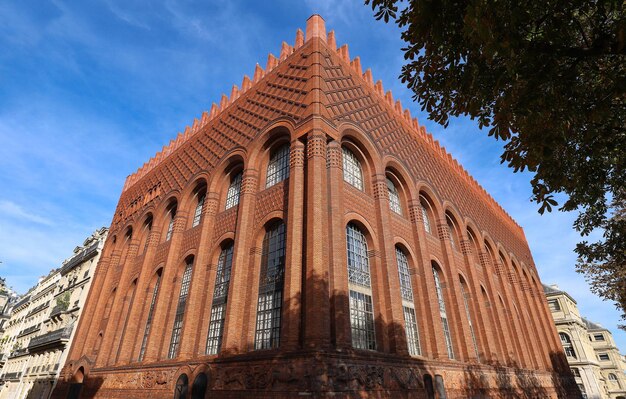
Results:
x,y
220,297
362,321
358,263
394,197
198,213
146,333
232,197
426,219
553,304
352,169
180,311
269,304
170,226
442,312
406,290
278,167
412,335
469,318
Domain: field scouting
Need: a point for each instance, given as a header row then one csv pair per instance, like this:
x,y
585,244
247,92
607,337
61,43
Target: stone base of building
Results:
x,y
313,375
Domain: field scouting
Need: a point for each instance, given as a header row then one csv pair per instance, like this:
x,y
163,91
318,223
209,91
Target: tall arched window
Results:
x,y
269,305
220,297
278,167
567,345
408,307
234,189
442,313
147,228
394,197
181,389
180,309
466,299
453,232
352,172
197,215
171,212
146,332
425,214
359,284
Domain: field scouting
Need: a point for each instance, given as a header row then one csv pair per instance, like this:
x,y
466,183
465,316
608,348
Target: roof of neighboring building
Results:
x,y
555,290
592,326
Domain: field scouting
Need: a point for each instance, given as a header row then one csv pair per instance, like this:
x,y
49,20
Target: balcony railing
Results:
x,y
18,352
81,257
12,376
56,337
29,330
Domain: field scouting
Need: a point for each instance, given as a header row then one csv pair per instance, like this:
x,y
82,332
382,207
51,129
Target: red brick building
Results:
x,y
308,237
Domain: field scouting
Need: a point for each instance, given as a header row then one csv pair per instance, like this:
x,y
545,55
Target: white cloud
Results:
x,y
15,211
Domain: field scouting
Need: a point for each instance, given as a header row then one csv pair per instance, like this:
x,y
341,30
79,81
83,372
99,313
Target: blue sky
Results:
x,y
89,91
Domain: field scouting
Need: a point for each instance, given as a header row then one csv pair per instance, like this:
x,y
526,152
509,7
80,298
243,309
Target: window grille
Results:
x,y
603,356
180,311
269,304
362,321
358,263
352,172
426,219
406,289
469,319
575,372
232,197
220,297
452,229
412,335
197,216
598,337
278,167
394,197
442,312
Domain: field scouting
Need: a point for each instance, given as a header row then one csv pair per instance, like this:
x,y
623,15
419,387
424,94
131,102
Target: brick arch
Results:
x,y
430,194
404,185
267,139
219,242
184,369
352,132
233,158
188,192
403,244
361,222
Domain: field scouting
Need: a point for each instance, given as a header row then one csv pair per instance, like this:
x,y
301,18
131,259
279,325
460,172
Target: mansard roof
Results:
x,y
315,76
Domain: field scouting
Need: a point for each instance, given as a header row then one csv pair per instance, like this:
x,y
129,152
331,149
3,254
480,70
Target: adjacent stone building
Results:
x,y
42,323
308,237
595,361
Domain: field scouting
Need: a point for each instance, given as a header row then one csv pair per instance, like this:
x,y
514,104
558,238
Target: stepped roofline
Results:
x,y
315,29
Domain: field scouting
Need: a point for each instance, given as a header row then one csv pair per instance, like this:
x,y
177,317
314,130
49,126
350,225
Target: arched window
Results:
x,y
147,228
359,284
394,197
146,332
567,345
269,305
197,215
180,309
220,297
352,172
234,189
453,232
408,307
182,387
442,313
171,212
278,167
425,214
466,299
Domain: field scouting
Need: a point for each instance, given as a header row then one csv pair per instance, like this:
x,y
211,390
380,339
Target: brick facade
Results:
x,y
317,101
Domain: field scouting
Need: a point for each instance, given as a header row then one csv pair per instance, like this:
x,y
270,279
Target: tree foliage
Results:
x,y
549,79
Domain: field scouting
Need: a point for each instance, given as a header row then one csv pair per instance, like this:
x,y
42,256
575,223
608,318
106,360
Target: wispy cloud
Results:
x,y
15,211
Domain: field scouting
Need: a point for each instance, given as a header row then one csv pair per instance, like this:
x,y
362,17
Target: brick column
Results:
x,y
161,330
340,305
135,333
236,326
429,321
293,295
459,327
197,299
316,294
386,275
113,331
